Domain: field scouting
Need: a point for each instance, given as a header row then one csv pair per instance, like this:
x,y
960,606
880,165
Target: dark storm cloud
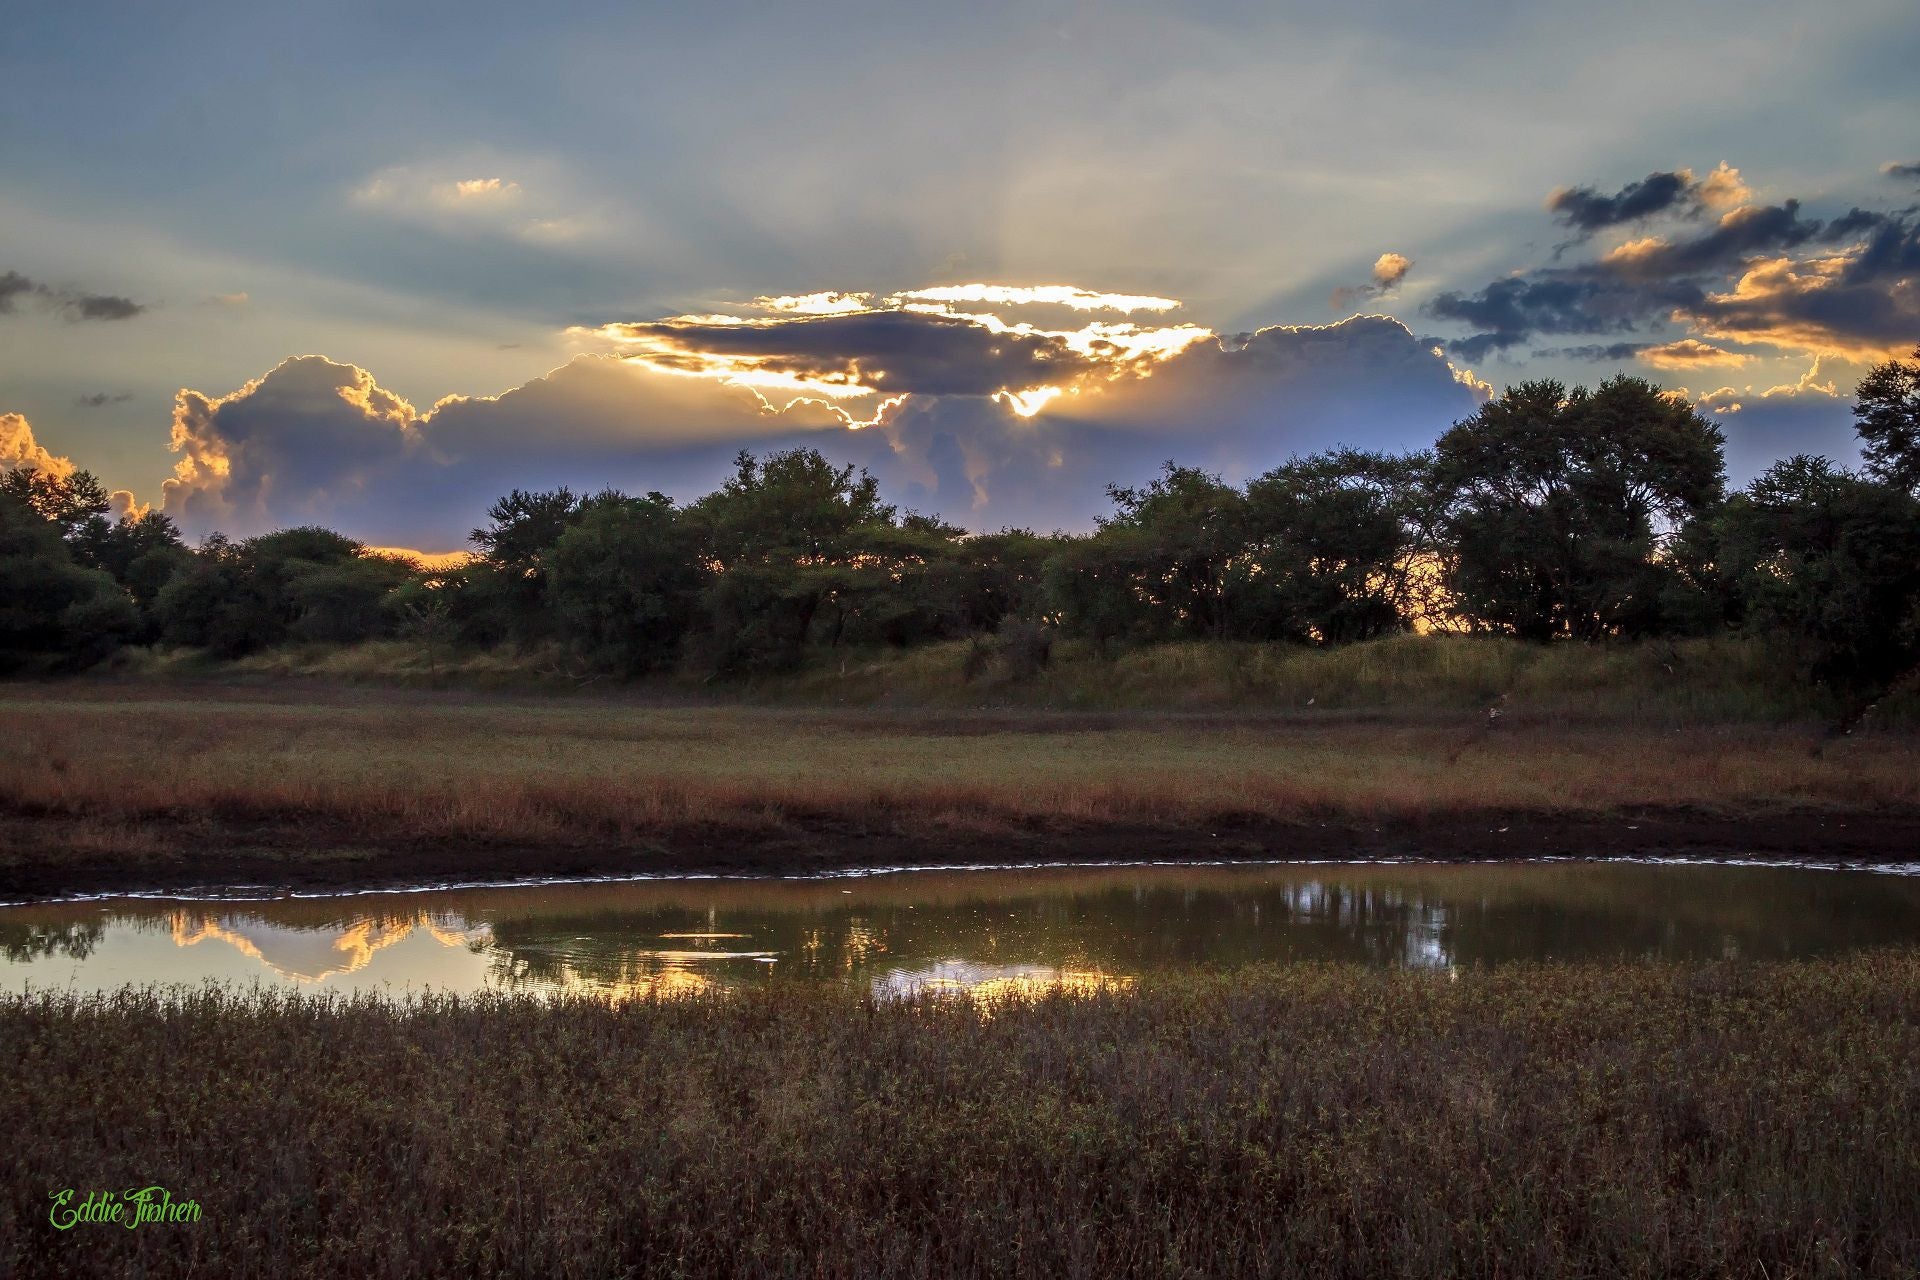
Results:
x,y
76,305
102,306
1588,210
14,285
1760,273
1902,170
1554,301
1737,236
895,351
1595,351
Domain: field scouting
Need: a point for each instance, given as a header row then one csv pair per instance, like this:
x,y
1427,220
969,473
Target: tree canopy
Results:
x,y
1552,514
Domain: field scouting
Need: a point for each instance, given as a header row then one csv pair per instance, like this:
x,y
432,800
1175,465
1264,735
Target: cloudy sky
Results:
x,y
372,264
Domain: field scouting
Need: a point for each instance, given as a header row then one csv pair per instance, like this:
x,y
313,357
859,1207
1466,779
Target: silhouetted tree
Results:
x,y
67,502
1886,413
1829,562
52,611
1556,503
1165,564
505,594
1339,547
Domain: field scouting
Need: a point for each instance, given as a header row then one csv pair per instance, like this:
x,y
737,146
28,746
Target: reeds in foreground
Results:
x,y
1536,1120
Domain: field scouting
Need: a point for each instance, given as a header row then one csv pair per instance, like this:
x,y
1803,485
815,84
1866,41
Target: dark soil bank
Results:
x,y
51,857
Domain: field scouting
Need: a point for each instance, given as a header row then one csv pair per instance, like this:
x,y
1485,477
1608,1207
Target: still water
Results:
x,y
976,929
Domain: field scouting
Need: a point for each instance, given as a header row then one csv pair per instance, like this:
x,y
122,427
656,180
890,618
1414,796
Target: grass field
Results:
x,y
164,779
1665,682
1589,1120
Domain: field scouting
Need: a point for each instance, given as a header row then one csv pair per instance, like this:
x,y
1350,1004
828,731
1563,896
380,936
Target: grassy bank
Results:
x,y
1617,1120
111,785
1665,682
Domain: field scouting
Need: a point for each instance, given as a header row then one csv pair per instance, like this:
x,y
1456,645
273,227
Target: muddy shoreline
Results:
x,y
60,857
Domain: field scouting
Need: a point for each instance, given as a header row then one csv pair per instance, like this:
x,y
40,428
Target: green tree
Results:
x,y
625,580
997,576
1830,562
347,601
789,537
301,583
505,594
68,502
1886,413
1557,505
1338,547
1092,586
53,611
1167,562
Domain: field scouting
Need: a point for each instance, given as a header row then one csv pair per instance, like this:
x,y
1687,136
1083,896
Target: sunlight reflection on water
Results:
x,y
990,932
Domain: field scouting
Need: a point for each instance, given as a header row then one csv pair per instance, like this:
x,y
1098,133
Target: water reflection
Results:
x,y
991,932
996,981
312,955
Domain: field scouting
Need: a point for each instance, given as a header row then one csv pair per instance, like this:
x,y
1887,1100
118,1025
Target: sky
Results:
x,y
372,265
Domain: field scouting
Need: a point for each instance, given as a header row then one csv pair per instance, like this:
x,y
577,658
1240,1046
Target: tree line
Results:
x,y
1550,514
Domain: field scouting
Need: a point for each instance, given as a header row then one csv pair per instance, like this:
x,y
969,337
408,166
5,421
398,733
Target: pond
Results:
x,y
979,929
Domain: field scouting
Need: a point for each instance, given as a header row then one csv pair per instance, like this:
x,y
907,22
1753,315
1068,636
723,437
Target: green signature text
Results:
x,y
135,1207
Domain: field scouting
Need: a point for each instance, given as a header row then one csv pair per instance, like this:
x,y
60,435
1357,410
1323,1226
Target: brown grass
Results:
x,y
472,766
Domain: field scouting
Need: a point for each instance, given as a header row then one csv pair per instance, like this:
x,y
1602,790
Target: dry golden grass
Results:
x,y
531,770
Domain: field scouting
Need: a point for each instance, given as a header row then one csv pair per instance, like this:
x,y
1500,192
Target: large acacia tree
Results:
x,y
1556,503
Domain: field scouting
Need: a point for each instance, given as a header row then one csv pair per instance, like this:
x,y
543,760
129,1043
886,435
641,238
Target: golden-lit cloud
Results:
x,y
1466,377
1730,400
485,189
1691,353
1724,188
1633,252
1819,306
490,204
1772,274
214,435
817,304
19,451
1389,269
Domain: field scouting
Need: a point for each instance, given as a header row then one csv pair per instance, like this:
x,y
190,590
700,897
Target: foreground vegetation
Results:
x,y
1616,1120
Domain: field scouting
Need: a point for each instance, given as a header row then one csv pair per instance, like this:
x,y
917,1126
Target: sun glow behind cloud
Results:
x,y
1057,295
779,355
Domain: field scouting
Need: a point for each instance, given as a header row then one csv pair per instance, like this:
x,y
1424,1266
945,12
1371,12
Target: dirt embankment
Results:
x,y
49,857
